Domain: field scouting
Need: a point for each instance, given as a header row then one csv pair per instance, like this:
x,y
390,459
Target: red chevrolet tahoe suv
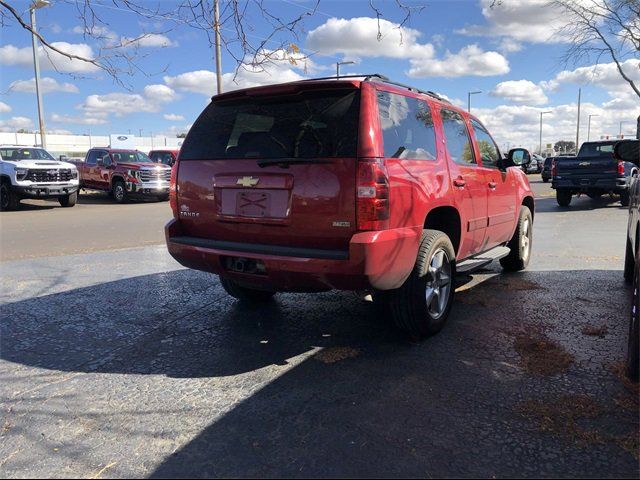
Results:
x,y
353,184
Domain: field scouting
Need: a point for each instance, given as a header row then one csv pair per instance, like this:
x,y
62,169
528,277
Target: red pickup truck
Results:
x,y
124,173
354,184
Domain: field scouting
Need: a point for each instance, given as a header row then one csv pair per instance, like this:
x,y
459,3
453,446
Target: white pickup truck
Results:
x,y
31,172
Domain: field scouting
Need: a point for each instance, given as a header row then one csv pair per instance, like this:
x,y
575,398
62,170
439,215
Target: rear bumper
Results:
x,y
45,191
614,184
375,260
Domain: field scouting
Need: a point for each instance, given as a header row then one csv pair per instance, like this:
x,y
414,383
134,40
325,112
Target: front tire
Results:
x,y
9,199
68,200
245,294
520,244
119,191
422,304
625,198
563,197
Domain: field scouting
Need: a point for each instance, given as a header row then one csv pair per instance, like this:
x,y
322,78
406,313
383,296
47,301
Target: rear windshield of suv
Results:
x,y
313,123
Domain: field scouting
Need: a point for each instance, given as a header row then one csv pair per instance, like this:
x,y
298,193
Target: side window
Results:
x,y
457,138
489,152
407,127
92,157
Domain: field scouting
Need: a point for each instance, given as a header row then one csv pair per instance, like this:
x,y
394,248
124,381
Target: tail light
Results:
x,y
173,197
372,195
554,168
621,168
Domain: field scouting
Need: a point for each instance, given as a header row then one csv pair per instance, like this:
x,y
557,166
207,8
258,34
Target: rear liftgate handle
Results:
x,y
459,182
492,185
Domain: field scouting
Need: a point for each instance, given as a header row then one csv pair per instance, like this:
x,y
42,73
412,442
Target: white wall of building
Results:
x,y
78,145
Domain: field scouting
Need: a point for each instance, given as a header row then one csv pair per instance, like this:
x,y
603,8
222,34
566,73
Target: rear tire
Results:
x,y
629,263
245,294
625,198
422,304
545,180
9,199
520,244
163,198
119,191
68,200
563,197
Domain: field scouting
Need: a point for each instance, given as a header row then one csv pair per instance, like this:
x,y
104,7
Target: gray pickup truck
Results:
x,y
593,171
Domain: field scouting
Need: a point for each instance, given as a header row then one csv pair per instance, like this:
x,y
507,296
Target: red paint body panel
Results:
x,y
314,206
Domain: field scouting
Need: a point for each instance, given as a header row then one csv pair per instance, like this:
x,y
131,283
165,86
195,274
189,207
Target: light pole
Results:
x,y
36,66
469,99
542,113
620,132
578,121
338,67
216,28
589,126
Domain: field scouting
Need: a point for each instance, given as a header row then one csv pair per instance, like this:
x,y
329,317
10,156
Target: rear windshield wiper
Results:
x,y
285,162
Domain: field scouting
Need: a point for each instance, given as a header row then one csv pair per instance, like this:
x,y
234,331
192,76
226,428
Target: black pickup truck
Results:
x,y
593,171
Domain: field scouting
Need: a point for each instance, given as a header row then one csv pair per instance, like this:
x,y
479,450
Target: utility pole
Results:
x,y
36,65
469,99
578,123
589,127
216,27
541,113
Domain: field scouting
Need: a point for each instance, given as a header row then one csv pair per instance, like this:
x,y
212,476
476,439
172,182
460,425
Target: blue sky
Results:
x,y
451,47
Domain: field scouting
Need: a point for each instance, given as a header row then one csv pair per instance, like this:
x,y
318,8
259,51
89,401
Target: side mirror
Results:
x,y
63,158
519,157
628,151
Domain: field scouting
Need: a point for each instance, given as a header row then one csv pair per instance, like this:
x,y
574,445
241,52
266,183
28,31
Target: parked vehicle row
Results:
x,y
352,184
32,172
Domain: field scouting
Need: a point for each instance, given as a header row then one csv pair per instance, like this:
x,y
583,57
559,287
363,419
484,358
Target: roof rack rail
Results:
x,y
384,79
366,76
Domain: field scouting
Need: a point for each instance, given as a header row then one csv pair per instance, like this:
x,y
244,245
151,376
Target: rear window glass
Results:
x,y
407,127
315,123
596,149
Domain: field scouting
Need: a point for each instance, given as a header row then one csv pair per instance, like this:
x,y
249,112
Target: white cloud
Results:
x,y
172,117
279,70
96,119
16,123
357,37
604,75
535,21
152,100
47,85
49,59
470,60
509,45
149,40
520,91
4,108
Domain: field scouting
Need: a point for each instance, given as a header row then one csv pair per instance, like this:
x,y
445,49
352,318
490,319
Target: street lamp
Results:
x,y
37,4
338,67
542,113
589,126
469,99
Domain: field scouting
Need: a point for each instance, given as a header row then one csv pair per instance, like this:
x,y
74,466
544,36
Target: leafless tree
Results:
x,y
238,18
601,29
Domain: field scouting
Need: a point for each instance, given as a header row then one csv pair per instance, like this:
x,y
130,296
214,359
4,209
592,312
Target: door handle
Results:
x,y
492,185
459,182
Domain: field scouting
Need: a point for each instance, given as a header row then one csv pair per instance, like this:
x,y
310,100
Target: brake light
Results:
x,y
173,197
372,195
621,168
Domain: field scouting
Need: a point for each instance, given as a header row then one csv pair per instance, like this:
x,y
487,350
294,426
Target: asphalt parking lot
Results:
x,y
117,362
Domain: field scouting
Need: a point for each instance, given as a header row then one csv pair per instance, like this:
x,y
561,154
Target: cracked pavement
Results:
x,y
120,363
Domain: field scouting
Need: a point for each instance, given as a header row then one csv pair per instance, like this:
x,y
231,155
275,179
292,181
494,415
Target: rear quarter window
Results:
x,y
313,123
407,127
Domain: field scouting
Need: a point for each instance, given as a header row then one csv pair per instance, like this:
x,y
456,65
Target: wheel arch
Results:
x,y
530,204
447,219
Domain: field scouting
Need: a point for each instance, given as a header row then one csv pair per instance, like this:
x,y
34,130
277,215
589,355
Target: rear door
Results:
x,y
273,167
468,180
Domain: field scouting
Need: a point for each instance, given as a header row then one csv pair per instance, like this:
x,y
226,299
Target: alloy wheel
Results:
x,y
438,286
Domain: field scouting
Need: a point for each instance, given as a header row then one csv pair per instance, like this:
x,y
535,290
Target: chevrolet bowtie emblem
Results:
x,y
248,181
